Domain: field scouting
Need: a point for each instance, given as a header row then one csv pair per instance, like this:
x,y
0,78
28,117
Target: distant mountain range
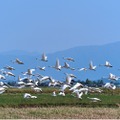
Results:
x,y
82,55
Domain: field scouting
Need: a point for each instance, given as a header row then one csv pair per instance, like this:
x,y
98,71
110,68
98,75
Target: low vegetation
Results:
x,y
63,112
14,106
14,98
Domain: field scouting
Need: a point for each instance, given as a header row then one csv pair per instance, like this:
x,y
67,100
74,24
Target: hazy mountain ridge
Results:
x,y
82,55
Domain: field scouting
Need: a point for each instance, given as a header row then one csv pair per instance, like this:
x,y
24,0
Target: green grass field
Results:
x,y
14,98
14,106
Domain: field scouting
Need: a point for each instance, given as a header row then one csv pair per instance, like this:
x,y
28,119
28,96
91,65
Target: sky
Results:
x,y
55,25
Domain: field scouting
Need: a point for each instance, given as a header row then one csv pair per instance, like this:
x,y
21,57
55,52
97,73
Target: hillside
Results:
x,y
82,55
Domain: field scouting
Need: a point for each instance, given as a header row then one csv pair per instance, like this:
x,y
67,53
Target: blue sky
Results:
x,y
54,25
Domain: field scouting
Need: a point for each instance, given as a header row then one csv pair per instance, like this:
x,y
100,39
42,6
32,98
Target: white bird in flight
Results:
x,y
44,58
61,93
18,61
27,95
63,87
94,99
82,69
57,65
107,64
20,81
2,77
54,94
91,67
9,73
109,86
37,89
42,78
69,59
78,94
41,68
77,85
53,82
9,68
2,90
113,77
67,66
84,90
29,72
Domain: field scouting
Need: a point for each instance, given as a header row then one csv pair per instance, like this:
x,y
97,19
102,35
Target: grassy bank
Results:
x,y
16,100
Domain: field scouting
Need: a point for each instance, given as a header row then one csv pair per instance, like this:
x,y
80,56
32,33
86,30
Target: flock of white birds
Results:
x,y
76,90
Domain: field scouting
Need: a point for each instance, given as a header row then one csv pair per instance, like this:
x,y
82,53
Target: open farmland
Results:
x,y
14,98
63,112
14,106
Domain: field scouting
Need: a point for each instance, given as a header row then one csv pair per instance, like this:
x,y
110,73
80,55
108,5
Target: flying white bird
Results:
x,y
69,59
69,78
30,84
76,86
63,87
53,82
44,58
9,73
84,90
18,61
4,85
94,99
54,94
20,81
42,78
41,68
61,93
27,95
57,65
2,77
113,77
9,68
107,64
2,90
67,66
94,89
37,89
1,83
91,67
109,86
33,96
82,69
71,75
78,94
29,72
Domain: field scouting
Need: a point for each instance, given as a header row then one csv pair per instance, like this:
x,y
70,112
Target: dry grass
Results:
x,y
59,113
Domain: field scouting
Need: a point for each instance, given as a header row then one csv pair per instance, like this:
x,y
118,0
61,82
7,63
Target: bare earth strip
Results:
x,y
59,113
